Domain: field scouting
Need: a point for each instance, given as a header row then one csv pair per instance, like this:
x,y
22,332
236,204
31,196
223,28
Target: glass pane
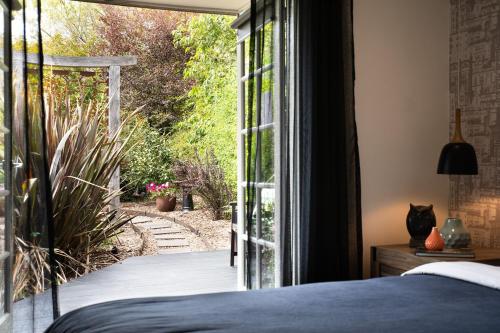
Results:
x,y
268,43
2,80
267,156
2,288
2,157
2,99
246,50
246,45
267,267
253,266
2,45
253,223
253,160
267,214
2,223
254,105
266,111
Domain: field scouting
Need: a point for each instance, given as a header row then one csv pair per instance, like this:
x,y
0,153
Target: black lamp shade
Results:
x,y
458,158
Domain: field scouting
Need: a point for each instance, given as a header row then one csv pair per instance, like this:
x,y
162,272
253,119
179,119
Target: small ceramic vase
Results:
x,y
454,234
434,242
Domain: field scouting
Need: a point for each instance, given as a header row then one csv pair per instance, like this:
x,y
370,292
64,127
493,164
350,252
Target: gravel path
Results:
x,y
179,231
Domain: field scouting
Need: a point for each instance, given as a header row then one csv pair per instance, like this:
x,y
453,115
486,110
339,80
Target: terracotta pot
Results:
x,y
434,242
166,204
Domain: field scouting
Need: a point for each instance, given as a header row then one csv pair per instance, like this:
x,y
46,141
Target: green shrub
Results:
x,y
148,159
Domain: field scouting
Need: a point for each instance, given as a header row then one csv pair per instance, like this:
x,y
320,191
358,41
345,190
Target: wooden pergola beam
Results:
x,y
113,64
62,61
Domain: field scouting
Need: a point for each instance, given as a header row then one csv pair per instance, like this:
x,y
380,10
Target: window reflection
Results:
x,y
267,267
267,214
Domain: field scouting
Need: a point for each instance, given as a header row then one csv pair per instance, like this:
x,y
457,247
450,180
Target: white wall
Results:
x,y
401,54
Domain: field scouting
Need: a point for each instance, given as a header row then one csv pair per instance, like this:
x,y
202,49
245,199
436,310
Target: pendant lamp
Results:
x,y
458,157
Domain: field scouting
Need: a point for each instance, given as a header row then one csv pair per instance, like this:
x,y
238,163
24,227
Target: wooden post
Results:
x,y
114,123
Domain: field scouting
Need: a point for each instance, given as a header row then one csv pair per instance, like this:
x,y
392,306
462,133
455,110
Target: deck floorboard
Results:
x,y
161,275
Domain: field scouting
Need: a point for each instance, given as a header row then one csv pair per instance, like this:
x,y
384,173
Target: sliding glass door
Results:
x,y
260,124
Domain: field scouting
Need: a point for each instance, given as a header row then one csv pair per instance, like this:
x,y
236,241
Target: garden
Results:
x,y
175,146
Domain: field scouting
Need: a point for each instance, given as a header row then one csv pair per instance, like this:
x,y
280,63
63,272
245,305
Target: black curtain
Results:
x,y
34,266
250,160
330,237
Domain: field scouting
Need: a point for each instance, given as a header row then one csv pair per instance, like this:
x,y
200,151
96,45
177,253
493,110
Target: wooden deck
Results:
x,y
161,275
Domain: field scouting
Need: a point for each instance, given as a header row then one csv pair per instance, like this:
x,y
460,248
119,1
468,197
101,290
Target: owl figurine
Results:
x,y
419,222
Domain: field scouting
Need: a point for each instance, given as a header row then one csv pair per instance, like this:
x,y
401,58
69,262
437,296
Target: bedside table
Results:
x,y
388,260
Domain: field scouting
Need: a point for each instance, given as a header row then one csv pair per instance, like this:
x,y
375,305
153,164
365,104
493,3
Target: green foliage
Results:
x,y
185,80
74,87
82,160
70,27
155,84
148,158
210,122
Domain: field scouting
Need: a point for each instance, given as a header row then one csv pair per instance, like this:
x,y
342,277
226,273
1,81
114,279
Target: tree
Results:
x,y
157,80
210,42
70,28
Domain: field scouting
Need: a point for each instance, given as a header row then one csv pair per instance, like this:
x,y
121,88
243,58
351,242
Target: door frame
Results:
x,y
273,12
6,254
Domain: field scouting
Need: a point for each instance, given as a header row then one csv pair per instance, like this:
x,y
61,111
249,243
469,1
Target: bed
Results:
x,y
438,297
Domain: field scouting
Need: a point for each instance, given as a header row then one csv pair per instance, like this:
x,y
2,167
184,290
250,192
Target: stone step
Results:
x,y
141,219
169,236
165,231
174,250
167,243
157,225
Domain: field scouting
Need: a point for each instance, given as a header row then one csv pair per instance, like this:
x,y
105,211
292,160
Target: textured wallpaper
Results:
x,y
476,199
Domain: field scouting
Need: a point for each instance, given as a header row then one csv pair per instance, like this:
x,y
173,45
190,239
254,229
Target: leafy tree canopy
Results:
x,y
157,80
211,124
70,28
185,78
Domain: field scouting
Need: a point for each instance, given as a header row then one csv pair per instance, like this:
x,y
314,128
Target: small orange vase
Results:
x,y
434,241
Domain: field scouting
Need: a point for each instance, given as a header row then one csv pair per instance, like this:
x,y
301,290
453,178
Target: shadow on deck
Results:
x,y
161,275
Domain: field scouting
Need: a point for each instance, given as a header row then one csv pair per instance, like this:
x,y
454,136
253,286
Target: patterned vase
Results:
x,y
454,234
434,242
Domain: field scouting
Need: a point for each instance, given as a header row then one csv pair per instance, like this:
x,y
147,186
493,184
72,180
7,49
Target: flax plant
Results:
x,y
82,159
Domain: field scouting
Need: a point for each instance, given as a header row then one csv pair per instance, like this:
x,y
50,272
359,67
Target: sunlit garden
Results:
x,y
175,145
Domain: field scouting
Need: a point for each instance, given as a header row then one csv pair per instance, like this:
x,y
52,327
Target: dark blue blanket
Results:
x,y
420,303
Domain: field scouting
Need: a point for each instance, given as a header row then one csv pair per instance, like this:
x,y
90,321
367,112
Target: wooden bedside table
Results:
x,y
388,260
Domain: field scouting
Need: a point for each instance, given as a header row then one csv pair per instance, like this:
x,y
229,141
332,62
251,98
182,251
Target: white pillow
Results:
x,y
482,274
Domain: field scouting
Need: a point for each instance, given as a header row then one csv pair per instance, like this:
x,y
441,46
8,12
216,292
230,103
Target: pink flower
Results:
x,y
151,187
